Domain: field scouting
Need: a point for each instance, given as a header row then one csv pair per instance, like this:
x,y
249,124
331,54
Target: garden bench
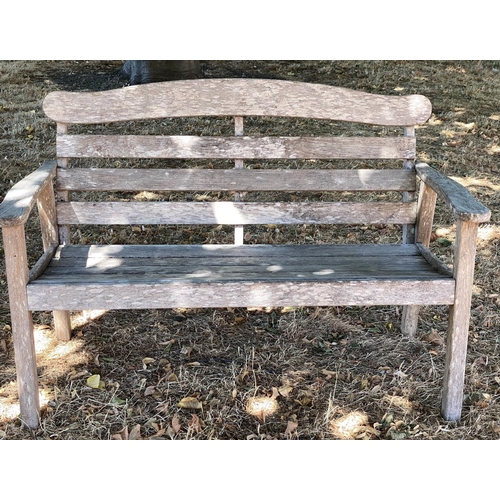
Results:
x,y
77,275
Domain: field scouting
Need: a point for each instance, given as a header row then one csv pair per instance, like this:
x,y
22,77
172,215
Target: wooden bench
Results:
x,y
72,275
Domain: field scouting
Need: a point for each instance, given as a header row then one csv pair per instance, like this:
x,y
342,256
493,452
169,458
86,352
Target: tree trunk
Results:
x,y
158,71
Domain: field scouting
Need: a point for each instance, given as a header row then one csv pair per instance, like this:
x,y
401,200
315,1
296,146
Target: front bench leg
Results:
x,y
459,317
22,324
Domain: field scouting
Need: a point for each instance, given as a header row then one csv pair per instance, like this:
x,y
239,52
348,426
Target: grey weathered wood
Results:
x,y
43,262
62,324
21,198
238,294
246,148
423,230
433,261
98,179
236,97
238,196
16,264
409,196
240,268
63,194
409,320
457,197
233,213
426,208
48,217
262,251
178,268
158,276
459,317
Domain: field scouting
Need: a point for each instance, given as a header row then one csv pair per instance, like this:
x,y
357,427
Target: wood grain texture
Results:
x,y
138,276
21,198
107,179
48,218
425,213
457,197
246,148
459,317
16,264
236,97
236,294
233,213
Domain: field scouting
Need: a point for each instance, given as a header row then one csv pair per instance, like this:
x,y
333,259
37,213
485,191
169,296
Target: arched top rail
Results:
x,y
236,97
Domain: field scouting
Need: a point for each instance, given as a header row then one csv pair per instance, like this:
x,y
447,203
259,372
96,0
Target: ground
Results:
x,y
292,373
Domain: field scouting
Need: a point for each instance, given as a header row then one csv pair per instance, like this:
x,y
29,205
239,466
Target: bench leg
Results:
x,y
62,325
409,320
27,377
456,352
458,323
22,325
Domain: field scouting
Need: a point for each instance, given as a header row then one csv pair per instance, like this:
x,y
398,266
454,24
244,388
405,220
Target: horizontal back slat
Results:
x,y
236,97
190,147
235,213
97,179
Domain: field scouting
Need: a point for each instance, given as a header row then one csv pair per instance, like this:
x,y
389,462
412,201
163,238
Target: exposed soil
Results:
x,y
327,373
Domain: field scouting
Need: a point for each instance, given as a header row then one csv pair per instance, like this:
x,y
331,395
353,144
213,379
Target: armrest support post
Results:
x,y
425,211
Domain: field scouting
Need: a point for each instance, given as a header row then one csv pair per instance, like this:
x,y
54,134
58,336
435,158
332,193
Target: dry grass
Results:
x,y
311,373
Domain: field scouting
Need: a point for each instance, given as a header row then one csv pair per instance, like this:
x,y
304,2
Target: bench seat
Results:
x,y
162,276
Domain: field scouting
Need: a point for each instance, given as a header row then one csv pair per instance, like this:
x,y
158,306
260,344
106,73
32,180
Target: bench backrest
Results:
x,y
238,98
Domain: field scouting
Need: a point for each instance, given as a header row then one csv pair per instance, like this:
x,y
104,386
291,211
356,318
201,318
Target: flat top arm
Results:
x,y
458,198
20,199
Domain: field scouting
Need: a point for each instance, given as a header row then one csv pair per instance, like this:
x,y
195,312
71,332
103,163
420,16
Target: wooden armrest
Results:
x,y
459,199
20,199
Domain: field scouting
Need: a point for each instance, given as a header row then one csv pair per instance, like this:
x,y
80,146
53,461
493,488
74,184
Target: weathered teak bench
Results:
x,y
73,276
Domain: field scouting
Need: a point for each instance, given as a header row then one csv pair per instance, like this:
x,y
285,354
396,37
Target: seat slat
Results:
x,y
94,179
246,148
305,293
224,266
258,250
232,213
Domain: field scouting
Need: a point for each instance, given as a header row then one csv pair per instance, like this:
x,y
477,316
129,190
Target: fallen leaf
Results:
x,y
329,374
135,433
291,428
194,423
189,403
285,390
241,377
150,390
160,433
176,426
95,382
124,434
434,338
148,361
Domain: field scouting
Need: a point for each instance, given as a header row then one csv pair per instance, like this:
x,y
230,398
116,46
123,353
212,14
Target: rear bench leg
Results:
x,y
62,325
458,323
409,320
